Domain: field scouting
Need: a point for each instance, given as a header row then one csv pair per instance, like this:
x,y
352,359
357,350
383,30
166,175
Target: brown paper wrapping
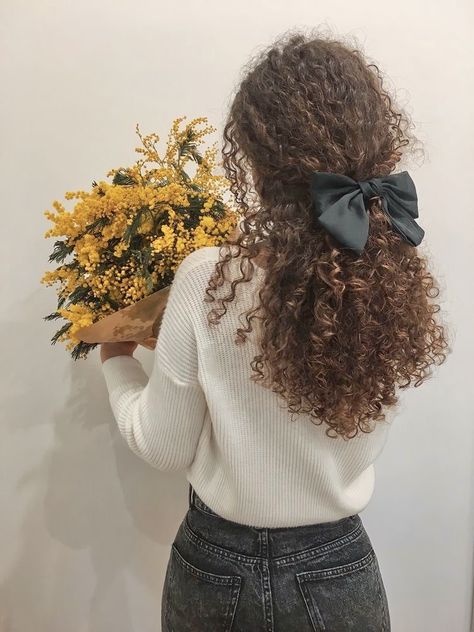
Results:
x,y
139,322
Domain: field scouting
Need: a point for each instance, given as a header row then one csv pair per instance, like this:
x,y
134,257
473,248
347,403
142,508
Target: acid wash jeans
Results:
x,y
223,576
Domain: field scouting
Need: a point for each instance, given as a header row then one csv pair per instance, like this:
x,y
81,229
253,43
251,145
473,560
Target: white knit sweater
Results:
x,y
199,411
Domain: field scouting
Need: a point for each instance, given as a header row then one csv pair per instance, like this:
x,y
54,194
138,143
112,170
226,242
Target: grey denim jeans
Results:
x,y
223,576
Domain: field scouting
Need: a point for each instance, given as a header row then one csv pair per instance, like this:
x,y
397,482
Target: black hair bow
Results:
x,y
339,203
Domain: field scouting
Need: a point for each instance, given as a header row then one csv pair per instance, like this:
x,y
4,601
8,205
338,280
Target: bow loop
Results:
x,y
340,206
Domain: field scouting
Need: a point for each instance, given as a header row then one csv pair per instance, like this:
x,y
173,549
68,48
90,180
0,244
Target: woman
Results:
x,y
280,459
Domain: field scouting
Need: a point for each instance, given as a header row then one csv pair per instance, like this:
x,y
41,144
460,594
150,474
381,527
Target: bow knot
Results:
x,y
339,204
370,188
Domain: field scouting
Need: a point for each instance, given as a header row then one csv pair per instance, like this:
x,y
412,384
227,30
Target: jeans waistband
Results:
x,y
207,525
195,501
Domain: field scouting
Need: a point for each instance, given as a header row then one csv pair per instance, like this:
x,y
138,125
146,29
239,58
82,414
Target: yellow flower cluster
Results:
x,y
126,237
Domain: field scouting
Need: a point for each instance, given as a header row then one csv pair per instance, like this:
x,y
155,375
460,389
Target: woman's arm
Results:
x,y
161,417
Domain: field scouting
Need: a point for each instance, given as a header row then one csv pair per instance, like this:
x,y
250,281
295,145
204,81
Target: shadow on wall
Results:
x,y
92,522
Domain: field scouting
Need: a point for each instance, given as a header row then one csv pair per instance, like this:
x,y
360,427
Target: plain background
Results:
x,y
86,527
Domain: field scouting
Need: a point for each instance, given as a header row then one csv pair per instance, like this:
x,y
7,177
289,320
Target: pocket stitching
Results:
x,y
212,578
310,608
231,581
344,569
337,571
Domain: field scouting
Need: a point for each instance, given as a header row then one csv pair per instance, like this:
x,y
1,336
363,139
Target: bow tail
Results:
x,y
401,219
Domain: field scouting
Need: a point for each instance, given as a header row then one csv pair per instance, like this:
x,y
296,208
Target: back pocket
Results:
x,y
197,599
348,597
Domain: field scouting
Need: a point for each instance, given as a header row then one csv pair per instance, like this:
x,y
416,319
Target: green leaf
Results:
x,y
82,349
53,316
123,178
61,250
60,332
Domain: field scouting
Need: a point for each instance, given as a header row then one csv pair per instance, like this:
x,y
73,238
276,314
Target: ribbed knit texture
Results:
x,y
199,411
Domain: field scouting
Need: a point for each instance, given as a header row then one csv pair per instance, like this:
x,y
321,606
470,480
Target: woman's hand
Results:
x,y
112,349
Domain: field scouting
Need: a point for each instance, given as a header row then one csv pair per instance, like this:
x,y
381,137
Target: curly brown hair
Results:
x,y
339,331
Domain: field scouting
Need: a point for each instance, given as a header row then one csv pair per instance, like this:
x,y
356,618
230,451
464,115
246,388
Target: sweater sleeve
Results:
x,y
161,418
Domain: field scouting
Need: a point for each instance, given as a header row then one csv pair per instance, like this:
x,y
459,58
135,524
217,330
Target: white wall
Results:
x,y
86,527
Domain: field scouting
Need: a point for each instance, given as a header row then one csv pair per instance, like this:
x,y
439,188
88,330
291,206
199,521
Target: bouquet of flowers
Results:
x,y
126,239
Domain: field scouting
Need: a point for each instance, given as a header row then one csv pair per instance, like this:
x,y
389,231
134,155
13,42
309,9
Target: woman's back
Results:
x,y
253,464
243,452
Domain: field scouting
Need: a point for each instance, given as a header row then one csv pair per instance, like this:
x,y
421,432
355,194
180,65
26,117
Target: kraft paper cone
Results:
x,y
139,322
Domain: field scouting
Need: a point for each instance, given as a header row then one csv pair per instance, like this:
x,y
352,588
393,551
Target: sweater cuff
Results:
x,y
123,372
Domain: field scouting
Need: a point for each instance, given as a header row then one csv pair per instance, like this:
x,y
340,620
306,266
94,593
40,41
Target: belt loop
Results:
x,y
190,498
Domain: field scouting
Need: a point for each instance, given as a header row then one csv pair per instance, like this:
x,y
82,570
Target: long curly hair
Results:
x,y
339,332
